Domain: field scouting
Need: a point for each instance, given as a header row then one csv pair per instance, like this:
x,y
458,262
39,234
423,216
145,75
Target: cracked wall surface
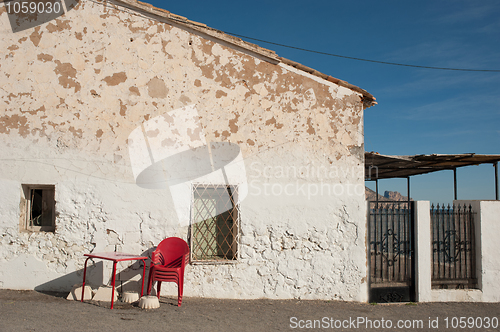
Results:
x,y
73,89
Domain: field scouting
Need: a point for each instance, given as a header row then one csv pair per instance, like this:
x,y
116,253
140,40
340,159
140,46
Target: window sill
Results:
x,y
39,229
214,262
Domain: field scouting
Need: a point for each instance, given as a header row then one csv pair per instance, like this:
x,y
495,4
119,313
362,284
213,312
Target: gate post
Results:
x,y
423,255
365,290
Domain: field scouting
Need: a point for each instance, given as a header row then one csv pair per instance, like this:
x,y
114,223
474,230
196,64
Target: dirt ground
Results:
x,y
33,311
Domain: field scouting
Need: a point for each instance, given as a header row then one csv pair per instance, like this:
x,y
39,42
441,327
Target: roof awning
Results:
x,y
379,166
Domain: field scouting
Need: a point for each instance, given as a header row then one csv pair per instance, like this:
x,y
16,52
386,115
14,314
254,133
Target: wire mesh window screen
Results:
x,y
214,224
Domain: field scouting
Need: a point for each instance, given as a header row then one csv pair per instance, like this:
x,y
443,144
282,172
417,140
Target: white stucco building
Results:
x,y
122,124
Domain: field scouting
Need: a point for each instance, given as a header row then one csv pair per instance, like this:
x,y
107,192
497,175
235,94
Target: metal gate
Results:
x,y
391,255
453,247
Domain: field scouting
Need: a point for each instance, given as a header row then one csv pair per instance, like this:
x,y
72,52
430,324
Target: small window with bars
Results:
x,y
214,223
39,211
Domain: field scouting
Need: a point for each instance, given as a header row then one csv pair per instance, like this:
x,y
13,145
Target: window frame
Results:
x,y
236,217
26,207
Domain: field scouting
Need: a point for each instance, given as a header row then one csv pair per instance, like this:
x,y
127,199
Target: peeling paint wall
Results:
x,y
71,92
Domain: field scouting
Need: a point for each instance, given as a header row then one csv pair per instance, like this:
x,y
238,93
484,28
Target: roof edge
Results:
x,y
202,28
367,98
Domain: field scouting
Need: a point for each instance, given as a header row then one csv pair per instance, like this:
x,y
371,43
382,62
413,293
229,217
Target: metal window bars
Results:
x,y
214,223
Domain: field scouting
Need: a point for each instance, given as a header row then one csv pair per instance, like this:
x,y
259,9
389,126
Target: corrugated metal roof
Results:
x,y
379,166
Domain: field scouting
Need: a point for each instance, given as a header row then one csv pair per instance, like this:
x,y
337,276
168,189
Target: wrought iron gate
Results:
x,y
391,255
453,247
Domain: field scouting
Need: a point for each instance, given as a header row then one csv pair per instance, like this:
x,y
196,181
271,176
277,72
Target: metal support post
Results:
x,y
496,179
408,189
455,183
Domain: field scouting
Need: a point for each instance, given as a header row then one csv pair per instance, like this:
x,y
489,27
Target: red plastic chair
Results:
x,y
167,264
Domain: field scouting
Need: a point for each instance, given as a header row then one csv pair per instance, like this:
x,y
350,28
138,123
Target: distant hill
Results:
x,y
388,196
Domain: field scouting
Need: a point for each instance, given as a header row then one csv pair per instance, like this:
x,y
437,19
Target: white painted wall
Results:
x,y
423,255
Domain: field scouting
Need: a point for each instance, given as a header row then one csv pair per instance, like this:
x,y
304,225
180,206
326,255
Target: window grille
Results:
x,y
214,223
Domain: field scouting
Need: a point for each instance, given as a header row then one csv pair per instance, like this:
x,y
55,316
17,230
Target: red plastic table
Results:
x,y
114,257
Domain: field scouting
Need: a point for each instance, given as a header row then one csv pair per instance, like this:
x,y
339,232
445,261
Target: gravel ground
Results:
x,y
33,311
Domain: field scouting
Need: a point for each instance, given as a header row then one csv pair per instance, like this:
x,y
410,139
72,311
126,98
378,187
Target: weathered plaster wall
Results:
x,y
71,92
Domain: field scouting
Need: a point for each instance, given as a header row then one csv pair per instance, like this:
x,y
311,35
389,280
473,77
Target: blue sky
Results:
x,y
420,111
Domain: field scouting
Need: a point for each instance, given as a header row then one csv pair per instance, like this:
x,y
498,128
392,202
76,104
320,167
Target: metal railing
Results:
x,y
453,247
